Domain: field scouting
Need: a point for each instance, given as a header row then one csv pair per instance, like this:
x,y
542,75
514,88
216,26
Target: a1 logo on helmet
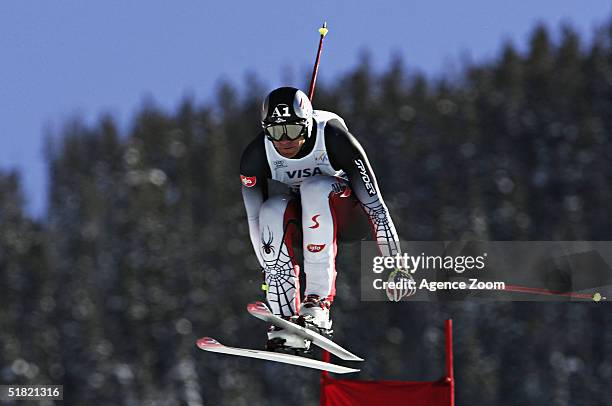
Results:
x,y
281,110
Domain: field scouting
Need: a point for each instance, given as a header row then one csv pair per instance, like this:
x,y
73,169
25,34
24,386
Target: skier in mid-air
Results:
x,y
306,175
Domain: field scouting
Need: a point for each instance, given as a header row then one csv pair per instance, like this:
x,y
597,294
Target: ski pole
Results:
x,y
313,80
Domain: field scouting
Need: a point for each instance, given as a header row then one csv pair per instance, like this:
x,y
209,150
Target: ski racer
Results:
x,y
305,175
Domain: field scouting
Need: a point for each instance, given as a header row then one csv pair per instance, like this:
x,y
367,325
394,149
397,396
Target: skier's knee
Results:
x,y
317,186
273,208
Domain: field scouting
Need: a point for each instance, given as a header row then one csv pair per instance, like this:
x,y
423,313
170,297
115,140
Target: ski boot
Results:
x,y
314,315
279,340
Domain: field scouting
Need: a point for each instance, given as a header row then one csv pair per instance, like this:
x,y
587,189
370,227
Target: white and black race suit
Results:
x,y
329,186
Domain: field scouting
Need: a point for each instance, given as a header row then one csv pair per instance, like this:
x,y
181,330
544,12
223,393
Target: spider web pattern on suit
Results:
x,y
384,233
280,275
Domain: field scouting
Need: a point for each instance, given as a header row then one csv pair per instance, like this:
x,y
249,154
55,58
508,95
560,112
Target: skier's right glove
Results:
x,y
404,285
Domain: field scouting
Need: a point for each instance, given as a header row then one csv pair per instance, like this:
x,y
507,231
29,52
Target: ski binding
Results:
x,y
262,312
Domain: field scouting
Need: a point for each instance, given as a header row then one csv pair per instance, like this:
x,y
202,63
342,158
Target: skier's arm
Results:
x,y
345,153
254,173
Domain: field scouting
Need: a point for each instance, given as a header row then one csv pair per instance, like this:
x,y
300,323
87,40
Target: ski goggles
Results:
x,y
276,132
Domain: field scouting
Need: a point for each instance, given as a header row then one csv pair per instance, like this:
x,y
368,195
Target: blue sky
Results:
x,y
61,59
